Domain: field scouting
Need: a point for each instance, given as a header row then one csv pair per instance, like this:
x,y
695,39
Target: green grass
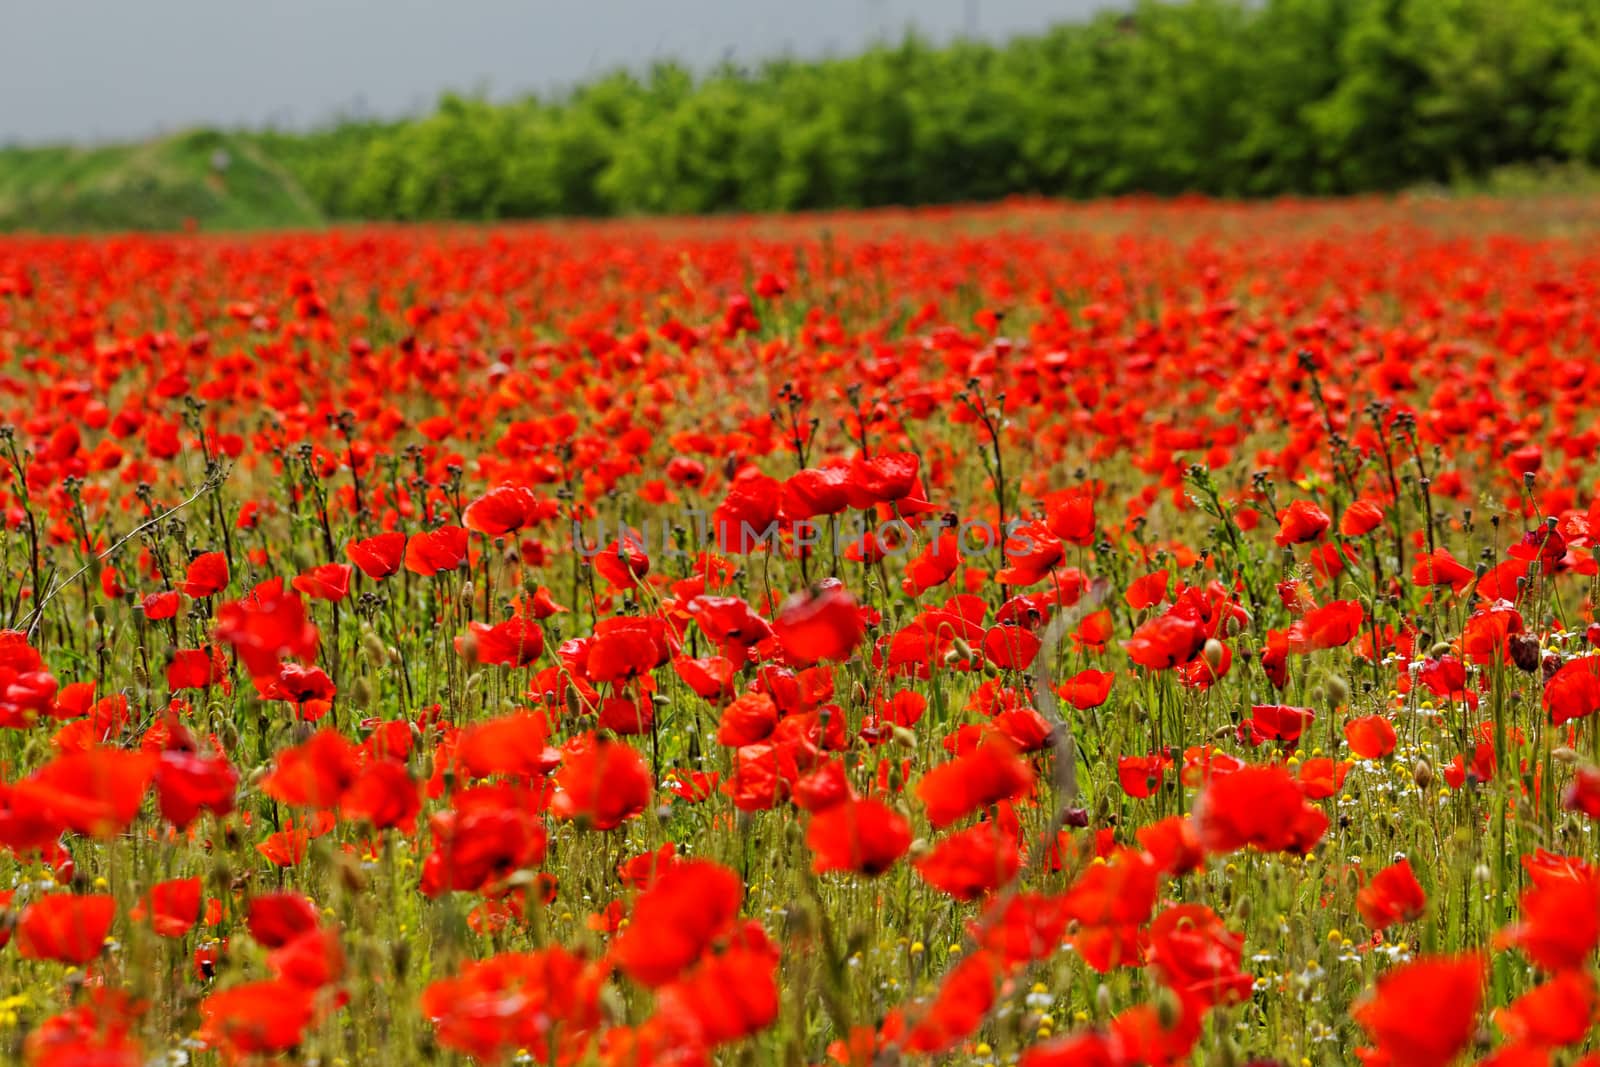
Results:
x,y
165,184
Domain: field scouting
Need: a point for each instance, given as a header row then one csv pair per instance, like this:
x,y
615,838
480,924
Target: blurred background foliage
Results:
x,y
1209,96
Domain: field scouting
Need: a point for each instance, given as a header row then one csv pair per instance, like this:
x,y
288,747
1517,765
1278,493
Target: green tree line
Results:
x,y
1212,96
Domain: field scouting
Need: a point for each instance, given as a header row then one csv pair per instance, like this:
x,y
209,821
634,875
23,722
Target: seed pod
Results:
x,y
1338,690
1524,651
374,648
1422,774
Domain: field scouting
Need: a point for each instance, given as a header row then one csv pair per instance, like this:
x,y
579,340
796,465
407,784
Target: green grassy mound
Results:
x,y
201,178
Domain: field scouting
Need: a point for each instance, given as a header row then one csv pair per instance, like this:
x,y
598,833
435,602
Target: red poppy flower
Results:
x,y
746,520
1140,776
501,511
1360,518
864,836
676,920
488,834
1087,689
1583,795
188,783
1010,647
1560,924
960,1006
1197,957
711,677
266,627
158,606
515,745
1166,641
311,960
1148,591
1559,1012
748,719
315,773
97,791
1173,844
971,862
516,642
383,795
65,928
513,1001
172,907
379,556
812,492
1392,896
1370,736
435,551
1424,1013
604,784
196,668
275,919
1329,626
1274,722
1573,692
257,1018
207,574
330,581
1300,522
991,773
1441,568
1070,516
726,998
825,625
1260,807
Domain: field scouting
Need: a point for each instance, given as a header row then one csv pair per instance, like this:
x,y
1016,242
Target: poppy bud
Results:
x,y
1440,651
1102,1001
904,737
468,645
1422,774
221,875
1213,652
1338,691
1168,1009
467,591
1237,622
1524,651
350,875
1077,818
373,646
962,648
400,957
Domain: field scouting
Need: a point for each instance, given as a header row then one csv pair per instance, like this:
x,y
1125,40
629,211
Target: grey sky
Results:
x,y
91,70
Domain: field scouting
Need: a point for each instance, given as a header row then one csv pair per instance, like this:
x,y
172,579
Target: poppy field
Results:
x,y
1135,633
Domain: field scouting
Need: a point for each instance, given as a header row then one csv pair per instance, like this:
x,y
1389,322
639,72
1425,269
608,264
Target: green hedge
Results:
x,y
1227,98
